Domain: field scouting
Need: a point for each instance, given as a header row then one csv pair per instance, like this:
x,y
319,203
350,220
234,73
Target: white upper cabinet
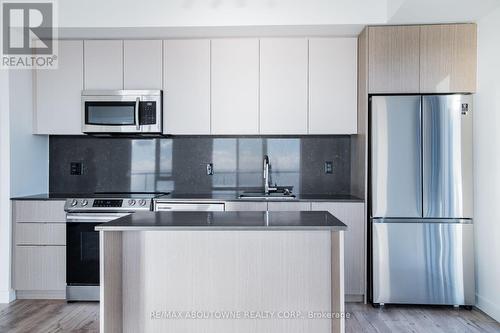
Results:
x,y
186,95
283,86
235,86
57,93
103,64
333,86
142,64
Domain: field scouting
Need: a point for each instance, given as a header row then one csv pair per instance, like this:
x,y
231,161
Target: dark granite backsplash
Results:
x,y
179,164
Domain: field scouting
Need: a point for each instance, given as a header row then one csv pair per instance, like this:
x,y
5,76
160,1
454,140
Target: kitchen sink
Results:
x,y
269,196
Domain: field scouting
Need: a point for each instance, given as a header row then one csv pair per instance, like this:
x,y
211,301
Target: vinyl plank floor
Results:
x,y
417,319
44,316
49,316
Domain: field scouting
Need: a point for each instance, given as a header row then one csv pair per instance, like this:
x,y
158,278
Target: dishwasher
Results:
x,y
166,206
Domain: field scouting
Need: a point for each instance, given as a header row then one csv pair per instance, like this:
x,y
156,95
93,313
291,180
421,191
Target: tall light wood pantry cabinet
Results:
x,y
422,59
448,58
393,59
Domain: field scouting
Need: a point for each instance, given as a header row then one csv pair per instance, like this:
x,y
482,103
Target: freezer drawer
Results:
x,y
396,174
423,263
447,156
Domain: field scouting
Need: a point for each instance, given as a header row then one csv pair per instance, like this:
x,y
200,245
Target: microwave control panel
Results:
x,y
147,111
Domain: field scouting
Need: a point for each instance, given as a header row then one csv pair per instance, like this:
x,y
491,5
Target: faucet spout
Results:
x,y
266,174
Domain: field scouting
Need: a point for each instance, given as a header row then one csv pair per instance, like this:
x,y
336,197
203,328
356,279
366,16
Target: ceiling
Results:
x,y
228,18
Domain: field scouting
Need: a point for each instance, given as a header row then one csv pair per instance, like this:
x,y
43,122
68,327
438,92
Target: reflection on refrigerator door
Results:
x,y
423,263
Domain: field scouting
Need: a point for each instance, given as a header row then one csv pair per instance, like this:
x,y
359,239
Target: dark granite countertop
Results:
x,y
304,220
52,196
213,196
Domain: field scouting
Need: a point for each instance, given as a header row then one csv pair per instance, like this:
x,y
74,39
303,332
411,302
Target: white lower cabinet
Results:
x,y
352,214
39,251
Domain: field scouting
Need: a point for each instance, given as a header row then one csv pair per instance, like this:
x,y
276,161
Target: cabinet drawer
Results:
x,y
39,268
40,233
39,211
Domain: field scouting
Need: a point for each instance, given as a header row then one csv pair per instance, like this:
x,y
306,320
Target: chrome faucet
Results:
x,y
267,179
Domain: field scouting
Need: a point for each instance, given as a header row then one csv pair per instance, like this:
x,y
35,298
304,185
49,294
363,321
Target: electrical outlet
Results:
x,y
210,169
328,167
76,168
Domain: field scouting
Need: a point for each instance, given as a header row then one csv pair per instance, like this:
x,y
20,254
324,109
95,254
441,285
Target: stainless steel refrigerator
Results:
x,y
421,199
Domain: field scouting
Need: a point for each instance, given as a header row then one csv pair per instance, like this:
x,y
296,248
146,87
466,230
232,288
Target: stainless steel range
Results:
x,y
82,250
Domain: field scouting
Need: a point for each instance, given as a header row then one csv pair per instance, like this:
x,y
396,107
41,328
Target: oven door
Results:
x,y
121,111
82,253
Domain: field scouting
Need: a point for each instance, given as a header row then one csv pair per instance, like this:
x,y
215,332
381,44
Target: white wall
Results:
x,y
29,156
6,293
23,160
487,166
442,11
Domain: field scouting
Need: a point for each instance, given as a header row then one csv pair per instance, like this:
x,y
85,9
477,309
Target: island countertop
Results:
x,y
301,220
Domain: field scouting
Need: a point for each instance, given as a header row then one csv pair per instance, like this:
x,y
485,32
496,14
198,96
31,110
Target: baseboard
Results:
x,y
354,298
488,307
37,294
7,296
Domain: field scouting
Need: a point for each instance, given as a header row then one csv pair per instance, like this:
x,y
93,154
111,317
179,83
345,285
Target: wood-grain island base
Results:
x,y
222,281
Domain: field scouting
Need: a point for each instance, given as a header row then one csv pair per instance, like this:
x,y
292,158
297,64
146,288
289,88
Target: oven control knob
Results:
x,y
74,203
131,202
142,202
85,203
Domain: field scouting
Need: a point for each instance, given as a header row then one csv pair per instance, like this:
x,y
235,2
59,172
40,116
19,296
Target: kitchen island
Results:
x,y
222,272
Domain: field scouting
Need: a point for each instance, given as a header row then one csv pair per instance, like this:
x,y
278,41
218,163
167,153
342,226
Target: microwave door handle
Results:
x,y
137,122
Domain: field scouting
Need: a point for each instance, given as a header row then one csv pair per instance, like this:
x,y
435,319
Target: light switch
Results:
x,y
210,169
328,167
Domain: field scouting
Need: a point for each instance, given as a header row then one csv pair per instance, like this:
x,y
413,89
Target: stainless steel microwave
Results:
x,y
122,111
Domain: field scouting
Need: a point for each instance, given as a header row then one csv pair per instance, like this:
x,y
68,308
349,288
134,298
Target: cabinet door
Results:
x,y
39,268
288,206
393,59
235,206
142,64
352,214
186,96
235,86
103,64
283,86
448,58
333,85
58,92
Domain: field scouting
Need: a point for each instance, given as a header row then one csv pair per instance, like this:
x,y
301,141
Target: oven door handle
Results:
x,y
137,122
